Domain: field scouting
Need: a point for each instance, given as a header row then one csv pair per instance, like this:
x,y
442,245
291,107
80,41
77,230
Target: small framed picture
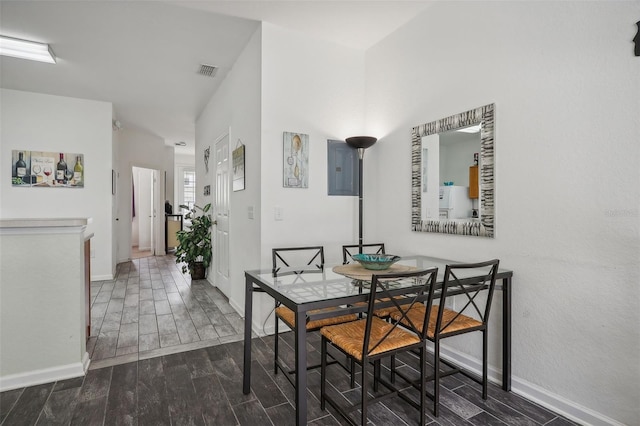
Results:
x,y
295,148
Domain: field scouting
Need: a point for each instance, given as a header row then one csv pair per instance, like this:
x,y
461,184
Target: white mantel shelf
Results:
x,y
44,222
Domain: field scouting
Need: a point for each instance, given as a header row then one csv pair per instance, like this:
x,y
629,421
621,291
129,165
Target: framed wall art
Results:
x,y
237,156
47,169
295,148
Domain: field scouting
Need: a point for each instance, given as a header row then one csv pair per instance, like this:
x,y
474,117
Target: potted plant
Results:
x,y
194,248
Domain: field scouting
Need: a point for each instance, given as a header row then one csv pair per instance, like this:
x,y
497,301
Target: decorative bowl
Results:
x,y
376,262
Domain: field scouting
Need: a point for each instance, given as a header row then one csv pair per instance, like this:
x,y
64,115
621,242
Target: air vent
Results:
x,y
208,70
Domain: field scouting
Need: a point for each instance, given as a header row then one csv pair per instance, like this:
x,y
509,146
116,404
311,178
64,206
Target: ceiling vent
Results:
x,y
207,70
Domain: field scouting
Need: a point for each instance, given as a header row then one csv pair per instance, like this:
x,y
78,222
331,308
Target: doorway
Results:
x,y
143,218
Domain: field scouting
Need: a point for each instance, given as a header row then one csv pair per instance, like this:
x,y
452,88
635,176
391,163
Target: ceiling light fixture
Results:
x,y
181,143
25,49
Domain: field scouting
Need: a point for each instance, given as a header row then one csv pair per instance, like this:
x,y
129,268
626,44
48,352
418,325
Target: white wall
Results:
x,y
566,87
314,87
235,108
134,148
37,122
170,161
42,324
284,81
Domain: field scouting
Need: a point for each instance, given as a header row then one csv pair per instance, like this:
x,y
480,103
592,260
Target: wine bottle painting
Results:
x,y
47,169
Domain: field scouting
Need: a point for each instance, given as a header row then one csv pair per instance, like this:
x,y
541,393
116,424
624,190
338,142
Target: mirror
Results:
x,y
453,174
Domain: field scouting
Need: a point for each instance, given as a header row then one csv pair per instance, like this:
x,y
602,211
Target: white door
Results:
x,y
144,207
221,244
155,197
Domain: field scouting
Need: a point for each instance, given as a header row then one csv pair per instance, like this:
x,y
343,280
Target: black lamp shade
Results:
x,y
361,141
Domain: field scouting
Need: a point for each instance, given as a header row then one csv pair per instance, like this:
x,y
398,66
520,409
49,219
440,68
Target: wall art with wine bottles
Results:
x,y
47,169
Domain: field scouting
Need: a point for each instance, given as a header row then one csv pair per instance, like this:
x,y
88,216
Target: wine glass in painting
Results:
x,y
68,176
35,170
47,172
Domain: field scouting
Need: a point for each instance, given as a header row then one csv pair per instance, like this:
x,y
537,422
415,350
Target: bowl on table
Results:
x,y
376,262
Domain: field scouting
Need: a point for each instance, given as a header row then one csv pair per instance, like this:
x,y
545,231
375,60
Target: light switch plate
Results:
x,y
278,214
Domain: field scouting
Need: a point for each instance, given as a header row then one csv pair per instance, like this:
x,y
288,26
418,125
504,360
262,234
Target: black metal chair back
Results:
x,y
349,250
401,292
469,292
297,259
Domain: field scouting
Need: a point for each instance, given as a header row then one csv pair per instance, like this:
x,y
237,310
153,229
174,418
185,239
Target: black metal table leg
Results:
x,y
301,368
248,313
506,334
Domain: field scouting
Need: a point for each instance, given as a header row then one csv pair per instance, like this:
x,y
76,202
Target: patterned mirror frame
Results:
x,y
485,116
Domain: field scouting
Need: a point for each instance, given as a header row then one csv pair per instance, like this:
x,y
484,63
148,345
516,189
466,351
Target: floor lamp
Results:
x,y
360,143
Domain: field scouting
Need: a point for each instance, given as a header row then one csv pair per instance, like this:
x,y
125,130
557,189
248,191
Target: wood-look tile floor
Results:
x,y
151,308
204,387
168,351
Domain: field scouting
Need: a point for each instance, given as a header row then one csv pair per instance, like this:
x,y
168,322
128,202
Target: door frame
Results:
x,y
158,224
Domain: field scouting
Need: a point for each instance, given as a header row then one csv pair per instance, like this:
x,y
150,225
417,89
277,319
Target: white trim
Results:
x,y
86,361
46,375
561,405
105,277
43,230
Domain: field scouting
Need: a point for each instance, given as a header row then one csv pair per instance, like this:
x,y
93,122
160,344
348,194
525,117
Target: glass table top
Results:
x,y
313,285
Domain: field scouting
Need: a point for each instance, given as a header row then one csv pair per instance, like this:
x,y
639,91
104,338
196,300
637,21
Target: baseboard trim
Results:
x,y
46,375
105,277
86,361
561,405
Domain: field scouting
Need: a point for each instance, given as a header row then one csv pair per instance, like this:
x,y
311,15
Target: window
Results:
x,y
186,183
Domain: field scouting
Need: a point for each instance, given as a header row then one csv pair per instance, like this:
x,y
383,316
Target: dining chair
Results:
x,y
350,249
299,261
467,291
370,339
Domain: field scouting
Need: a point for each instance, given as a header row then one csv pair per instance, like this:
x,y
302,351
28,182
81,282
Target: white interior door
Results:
x,y
155,196
221,244
144,207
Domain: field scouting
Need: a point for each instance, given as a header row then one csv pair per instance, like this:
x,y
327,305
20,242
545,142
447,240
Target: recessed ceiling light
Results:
x,y
25,49
181,143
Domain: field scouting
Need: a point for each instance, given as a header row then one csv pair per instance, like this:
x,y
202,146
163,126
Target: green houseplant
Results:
x,y
194,243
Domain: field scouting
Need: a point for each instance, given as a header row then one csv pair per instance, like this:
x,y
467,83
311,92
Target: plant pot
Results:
x,y
198,271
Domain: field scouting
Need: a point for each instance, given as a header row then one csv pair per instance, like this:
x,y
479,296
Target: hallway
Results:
x,y
152,309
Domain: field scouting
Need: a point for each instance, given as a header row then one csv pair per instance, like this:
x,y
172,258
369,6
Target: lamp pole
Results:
x,y
360,143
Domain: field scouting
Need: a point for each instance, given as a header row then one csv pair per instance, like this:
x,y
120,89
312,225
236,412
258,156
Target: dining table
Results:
x,y
342,287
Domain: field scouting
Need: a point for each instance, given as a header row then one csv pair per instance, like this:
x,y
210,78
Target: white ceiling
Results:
x,y
143,56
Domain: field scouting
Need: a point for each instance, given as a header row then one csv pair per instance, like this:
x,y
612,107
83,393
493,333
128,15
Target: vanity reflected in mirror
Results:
x,y
452,174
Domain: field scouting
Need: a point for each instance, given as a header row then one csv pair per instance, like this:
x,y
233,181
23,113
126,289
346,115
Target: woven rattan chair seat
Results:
x,y
350,337
289,317
416,315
